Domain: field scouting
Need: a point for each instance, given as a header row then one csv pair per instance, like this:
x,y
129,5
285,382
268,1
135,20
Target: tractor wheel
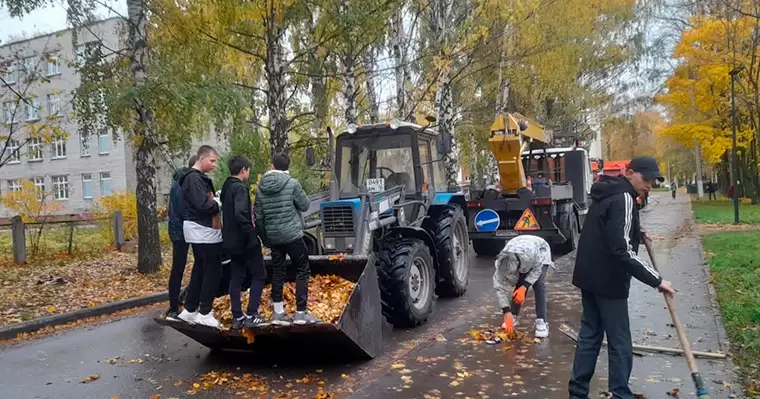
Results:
x,y
571,231
449,231
407,282
487,248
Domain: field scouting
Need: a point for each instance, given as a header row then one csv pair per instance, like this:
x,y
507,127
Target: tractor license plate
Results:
x,y
375,185
505,233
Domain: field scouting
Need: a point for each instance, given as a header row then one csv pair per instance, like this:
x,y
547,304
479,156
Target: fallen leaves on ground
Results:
x,y
90,379
72,285
250,386
489,333
328,295
673,393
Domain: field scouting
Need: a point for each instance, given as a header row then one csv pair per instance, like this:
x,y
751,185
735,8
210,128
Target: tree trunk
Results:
x,y
369,68
148,242
349,88
397,41
274,68
440,18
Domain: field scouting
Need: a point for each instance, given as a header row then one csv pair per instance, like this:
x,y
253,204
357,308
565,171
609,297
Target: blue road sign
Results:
x,y
487,220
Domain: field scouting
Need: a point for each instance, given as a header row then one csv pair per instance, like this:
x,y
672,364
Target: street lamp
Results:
x,y
734,157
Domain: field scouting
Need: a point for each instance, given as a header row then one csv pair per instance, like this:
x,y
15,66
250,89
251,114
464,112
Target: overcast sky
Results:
x,y
47,20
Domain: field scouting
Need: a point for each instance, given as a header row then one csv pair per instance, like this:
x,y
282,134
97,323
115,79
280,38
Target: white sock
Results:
x,y
279,308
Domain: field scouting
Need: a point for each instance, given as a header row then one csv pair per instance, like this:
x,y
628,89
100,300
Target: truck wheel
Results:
x,y
407,282
572,232
487,248
449,231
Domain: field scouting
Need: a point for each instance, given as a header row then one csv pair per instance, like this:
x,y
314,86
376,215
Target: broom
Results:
x,y
698,384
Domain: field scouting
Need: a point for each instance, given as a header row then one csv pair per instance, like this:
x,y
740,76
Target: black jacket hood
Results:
x,y
179,173
227,186
604,188
187,172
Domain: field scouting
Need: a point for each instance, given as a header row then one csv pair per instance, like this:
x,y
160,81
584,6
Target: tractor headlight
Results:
x,y
329,243
394,124
351,128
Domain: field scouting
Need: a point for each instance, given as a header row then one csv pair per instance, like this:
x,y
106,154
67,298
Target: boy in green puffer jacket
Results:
x,y
280,199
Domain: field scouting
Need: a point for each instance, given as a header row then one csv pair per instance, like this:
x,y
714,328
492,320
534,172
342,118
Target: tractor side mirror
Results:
x,y
443,143
311,157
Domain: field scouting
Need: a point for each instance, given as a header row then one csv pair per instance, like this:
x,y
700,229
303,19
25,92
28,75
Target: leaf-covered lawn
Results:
x,y
735,269
722,212
39,289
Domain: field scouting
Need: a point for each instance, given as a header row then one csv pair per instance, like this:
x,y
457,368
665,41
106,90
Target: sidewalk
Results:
x,y
456,366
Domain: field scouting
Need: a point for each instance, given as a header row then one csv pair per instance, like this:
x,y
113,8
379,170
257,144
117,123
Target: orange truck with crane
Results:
x,y
543,191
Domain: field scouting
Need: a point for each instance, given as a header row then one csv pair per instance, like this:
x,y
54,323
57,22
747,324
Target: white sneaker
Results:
x,y
207,319
542,328
188,317
517,320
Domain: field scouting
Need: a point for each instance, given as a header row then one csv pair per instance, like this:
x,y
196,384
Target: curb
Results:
x,y
11,331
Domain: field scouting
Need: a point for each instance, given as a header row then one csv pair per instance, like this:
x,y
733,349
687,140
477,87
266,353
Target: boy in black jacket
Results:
x,y
202,228
606,259
242,243
176,210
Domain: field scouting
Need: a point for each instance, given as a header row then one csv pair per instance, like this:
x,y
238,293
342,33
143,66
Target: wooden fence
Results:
x,y
18,233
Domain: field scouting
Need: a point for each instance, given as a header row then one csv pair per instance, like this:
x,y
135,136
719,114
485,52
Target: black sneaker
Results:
x,y
239,323
255,321
172,315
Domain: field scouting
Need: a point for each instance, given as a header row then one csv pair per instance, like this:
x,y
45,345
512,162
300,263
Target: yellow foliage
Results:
x,y
30,203
125,202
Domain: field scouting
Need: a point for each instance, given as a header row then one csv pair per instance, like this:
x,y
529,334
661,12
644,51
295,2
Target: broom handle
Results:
x,y
676,321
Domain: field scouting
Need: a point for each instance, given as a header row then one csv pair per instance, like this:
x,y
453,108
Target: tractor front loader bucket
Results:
x,y
357,332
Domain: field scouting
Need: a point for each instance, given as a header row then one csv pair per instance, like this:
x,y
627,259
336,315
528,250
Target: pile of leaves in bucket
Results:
x,y
327,298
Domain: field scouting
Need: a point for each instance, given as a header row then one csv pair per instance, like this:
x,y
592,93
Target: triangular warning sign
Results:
x,y
527,222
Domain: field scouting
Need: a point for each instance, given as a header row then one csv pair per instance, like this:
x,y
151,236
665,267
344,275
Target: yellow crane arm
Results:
x,y
507,143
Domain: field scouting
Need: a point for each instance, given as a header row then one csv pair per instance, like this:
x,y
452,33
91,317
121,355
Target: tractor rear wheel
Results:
x,y
407,282
448,229
487,248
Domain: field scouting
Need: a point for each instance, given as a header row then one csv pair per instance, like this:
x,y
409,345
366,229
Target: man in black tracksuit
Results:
x,y
606,259
202,228
242,243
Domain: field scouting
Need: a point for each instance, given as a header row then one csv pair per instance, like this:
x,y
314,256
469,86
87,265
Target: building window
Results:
x,y
10,73
86,52
104,142
14,185
13,151
54,104
32,108
61,187
59,146
105,183
35,149
39,186
53,65
30,66
87,192
9,112
84,142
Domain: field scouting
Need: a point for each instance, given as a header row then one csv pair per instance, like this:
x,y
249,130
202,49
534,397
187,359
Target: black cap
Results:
x,y
647,166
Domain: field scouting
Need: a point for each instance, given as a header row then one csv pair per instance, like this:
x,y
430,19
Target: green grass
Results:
x,y
661,189
722,212
735,268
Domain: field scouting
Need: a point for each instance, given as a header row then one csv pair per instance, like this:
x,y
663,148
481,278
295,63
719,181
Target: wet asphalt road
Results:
x,y
435,360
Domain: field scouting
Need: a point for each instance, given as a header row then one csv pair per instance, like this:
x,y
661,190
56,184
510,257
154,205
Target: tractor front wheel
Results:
x,y
449,231
407,282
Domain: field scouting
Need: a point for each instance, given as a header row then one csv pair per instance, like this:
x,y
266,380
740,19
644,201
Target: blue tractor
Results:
x,y
391,201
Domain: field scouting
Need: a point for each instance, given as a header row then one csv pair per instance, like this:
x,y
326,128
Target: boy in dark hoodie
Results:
x,y
176,211
242,243
202,228
280,199
606,259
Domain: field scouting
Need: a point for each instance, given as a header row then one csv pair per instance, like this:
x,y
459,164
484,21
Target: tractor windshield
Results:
x,y
376,163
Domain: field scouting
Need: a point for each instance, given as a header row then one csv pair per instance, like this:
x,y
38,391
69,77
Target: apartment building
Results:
x,y
76,169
